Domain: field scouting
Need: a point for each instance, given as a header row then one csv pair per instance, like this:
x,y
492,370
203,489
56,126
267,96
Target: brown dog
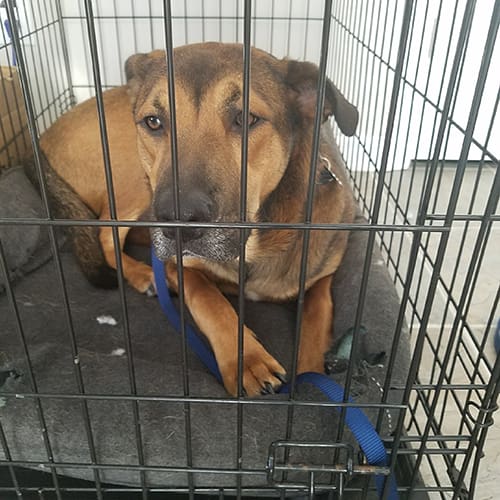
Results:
x,y
208,84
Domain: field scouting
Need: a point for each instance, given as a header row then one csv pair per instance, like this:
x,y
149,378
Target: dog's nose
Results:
x,y
195,206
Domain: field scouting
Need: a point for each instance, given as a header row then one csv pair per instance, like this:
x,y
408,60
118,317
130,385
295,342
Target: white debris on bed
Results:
x,y
118,352
106,319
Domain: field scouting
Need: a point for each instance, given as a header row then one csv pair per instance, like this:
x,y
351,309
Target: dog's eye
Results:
x,y
153,123
252,120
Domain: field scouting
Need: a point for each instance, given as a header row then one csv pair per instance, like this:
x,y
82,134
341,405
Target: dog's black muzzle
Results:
x,y
194,206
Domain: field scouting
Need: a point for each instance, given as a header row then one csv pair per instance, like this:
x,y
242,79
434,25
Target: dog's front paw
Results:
x,y
262,374
141,277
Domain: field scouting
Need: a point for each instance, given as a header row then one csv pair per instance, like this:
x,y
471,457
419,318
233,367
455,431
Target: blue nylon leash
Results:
x,y
199,347
359,424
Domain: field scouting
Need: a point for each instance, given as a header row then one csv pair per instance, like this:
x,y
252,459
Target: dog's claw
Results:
x,y
281,377
336,366
267,389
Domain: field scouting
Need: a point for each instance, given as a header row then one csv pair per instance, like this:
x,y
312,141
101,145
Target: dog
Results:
x,y
209,122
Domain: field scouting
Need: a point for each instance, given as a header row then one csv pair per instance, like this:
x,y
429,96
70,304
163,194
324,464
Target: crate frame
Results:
x,y
476,398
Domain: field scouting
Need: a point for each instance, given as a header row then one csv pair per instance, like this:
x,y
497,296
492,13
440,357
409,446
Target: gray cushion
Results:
x,y
157,352
24,247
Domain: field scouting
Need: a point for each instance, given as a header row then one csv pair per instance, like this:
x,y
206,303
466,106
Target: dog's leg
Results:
x,y
138,274
217,319
316,330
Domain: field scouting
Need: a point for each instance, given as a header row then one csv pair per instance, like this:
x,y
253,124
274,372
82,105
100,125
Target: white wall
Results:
x,y
362,57
367,67
126,27
434,67
42,48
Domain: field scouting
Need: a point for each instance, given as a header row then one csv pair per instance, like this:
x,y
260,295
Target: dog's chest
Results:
x,y
270,279
266,280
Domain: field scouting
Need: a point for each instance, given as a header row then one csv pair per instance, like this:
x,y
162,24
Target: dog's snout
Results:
x,y
194,206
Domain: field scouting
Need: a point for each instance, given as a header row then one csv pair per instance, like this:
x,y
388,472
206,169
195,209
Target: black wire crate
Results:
x,y
101,398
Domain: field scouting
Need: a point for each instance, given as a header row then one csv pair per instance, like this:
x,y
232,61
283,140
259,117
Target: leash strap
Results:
x,y
200,348
358,423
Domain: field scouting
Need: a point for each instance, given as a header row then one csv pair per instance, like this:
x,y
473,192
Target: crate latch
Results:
x,y
315,466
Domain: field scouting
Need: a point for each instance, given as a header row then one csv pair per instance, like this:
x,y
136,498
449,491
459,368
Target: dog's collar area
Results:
x,y
326,174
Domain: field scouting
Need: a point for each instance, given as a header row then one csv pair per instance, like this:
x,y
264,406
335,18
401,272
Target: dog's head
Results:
x,y
209,112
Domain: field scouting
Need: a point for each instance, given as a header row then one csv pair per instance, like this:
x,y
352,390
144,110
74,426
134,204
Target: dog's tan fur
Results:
x,y
73,149
208,85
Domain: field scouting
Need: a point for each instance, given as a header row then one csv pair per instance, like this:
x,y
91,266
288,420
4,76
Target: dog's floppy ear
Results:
x,y
139,66
302,77
135,67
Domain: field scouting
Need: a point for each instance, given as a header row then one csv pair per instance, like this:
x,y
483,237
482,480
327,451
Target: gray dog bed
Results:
x,y
102,360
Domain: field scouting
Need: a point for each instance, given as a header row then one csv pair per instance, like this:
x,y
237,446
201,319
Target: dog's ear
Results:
x,y
139,66
135,67
302,77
